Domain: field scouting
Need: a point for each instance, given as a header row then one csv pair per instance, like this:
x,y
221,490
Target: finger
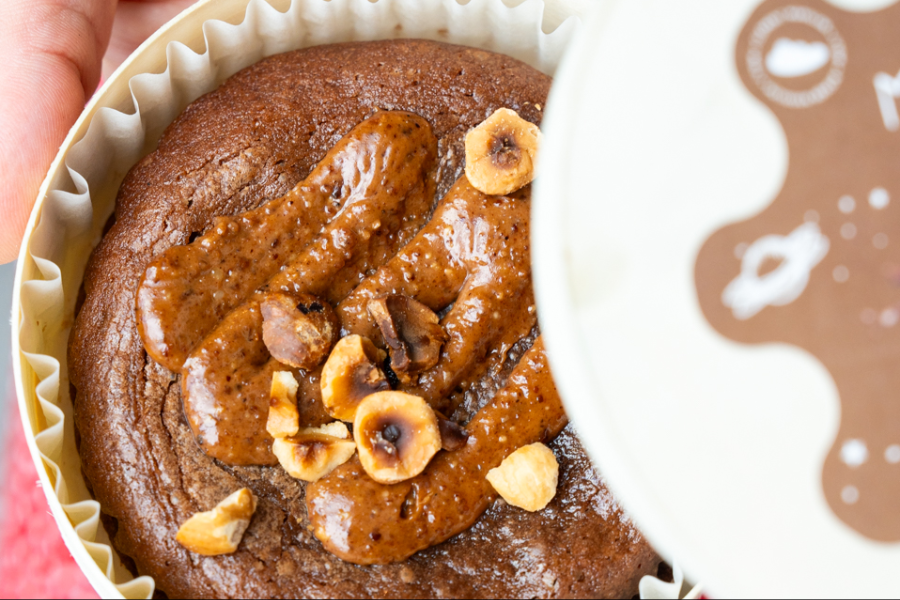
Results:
x,y
52,52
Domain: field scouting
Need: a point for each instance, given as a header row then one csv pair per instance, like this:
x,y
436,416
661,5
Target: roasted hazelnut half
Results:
x,y
314,453
527,478
220,530
284,418
501,153
396,435
453,435
299,330
350,374
412,332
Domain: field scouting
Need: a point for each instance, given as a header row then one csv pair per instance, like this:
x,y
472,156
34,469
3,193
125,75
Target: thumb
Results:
x,y
53,51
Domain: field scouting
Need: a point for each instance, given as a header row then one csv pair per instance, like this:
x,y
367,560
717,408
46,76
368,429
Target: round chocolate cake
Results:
x,y
334,175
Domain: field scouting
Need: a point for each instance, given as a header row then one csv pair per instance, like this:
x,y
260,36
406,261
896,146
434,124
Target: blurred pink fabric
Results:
x,y
34,561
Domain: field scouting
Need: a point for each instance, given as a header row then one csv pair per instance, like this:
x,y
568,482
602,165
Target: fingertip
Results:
x,y
52,51
36,119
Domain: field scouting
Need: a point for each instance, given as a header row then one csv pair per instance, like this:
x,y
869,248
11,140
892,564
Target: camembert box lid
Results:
x,y
717,256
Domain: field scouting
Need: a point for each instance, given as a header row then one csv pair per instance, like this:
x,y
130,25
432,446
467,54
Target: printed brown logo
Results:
x,y
796,56
819,268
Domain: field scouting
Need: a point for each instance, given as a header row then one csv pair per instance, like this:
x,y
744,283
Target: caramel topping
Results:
x,y
474,254
187,291
387,162
225,390
451,494
239,305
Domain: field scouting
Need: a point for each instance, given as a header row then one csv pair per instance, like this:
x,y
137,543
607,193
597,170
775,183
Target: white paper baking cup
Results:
x,y
189,57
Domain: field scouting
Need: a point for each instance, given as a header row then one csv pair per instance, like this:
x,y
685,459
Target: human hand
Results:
x,y
54,54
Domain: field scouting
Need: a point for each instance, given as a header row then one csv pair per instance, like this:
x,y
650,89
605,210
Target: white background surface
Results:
x,y
716,449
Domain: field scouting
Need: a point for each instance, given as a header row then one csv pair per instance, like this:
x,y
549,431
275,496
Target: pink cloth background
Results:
x,y
34,561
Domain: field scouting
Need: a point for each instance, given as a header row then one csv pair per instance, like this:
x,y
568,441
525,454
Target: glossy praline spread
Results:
x,y
199,305
368,200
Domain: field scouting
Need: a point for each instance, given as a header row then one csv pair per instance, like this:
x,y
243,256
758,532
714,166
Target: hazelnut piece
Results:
x,y
337,429
396,434
412,332
284,419
501,153
314,453
299,331
350,374
527,478
219,531
453,435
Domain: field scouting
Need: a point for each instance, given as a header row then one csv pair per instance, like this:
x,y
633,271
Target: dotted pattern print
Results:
x,y
820,267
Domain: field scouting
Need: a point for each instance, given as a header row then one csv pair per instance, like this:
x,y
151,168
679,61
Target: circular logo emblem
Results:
x,y
797,57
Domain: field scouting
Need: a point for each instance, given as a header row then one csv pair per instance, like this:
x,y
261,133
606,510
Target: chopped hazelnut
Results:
x,y
501,153
396,434
350,374
412,332
527,478
219,531
453,436
314,453
299,331
284,419
336,429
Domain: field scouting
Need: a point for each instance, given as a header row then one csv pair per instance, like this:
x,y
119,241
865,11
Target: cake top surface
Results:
x,y
248,143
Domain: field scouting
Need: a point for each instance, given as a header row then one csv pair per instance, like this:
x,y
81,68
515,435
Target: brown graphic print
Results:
x,y
820,267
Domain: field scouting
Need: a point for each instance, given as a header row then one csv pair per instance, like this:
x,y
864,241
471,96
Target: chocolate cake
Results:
x,y
240,161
